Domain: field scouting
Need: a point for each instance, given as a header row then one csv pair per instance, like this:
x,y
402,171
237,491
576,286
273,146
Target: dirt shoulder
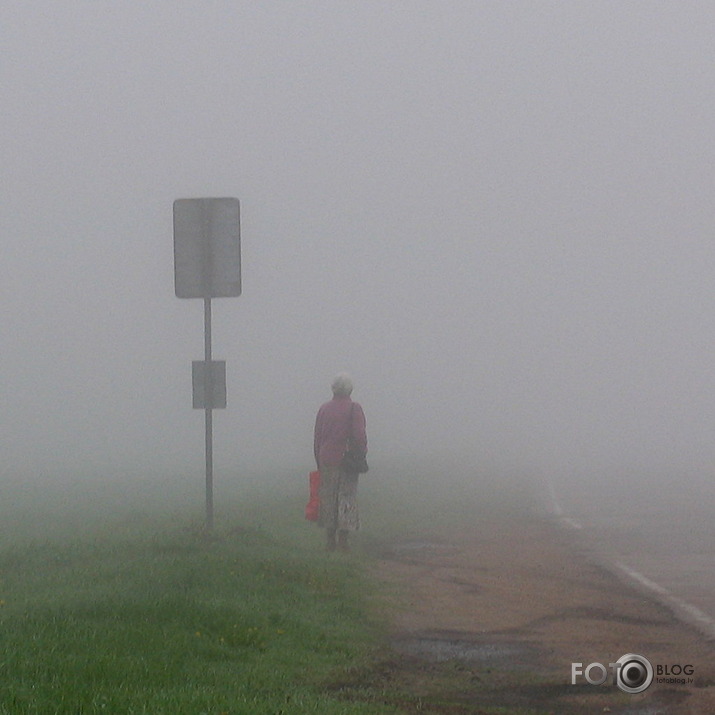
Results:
x,y
494,616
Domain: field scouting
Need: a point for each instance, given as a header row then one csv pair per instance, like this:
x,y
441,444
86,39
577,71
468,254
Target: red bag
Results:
x,y
312,508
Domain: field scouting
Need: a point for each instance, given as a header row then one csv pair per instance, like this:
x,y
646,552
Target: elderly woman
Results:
x,y
340,425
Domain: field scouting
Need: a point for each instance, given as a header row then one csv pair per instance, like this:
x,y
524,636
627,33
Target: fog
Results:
x,y
497,217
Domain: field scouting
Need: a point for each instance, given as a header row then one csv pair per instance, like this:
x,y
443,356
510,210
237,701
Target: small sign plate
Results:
x,y
216,387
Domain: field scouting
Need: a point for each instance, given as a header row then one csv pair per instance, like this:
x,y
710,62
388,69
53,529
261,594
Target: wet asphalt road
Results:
x,y
666,536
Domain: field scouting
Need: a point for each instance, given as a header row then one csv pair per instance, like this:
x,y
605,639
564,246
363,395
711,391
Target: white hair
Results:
x,y
342,384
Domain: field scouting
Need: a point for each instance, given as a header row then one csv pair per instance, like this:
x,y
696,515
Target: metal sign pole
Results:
x,y
208,392
207,264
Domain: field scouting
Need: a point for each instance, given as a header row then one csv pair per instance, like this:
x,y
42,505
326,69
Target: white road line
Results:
x,y
558,511
682,609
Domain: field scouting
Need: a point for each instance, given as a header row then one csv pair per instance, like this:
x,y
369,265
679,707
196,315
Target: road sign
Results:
x,y
207,264
214,384
207,248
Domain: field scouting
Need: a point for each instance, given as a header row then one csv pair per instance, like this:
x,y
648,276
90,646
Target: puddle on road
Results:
x,y
417,549
440,648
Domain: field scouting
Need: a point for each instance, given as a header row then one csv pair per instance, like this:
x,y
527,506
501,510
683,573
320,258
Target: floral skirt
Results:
x,y
338,500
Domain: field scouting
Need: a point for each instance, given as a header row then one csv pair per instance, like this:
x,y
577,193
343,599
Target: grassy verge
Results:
x,y
118,602
135,610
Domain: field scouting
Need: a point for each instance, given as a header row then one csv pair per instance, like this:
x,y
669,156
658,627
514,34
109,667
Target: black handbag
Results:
x,y
353,462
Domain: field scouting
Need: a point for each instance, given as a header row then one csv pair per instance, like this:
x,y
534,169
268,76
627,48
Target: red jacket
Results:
x,y
333,427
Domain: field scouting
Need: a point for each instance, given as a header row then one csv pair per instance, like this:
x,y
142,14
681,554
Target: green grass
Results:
x,y
114,600
135,610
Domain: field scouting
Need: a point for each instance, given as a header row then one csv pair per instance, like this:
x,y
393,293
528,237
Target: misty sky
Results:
x,y
498,216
